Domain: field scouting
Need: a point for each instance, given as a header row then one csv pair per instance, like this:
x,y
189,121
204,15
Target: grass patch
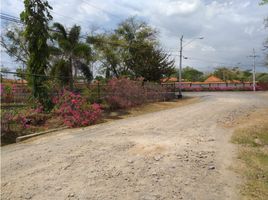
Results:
x,y
253,155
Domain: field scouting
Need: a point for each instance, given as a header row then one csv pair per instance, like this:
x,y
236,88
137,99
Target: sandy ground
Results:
x,y
180,153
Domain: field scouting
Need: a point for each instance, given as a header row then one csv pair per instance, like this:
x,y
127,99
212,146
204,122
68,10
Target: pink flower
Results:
x,y
75,110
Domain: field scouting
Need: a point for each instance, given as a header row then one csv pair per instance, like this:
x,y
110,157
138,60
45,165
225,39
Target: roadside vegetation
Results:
x,y
57,72
253,156
78,108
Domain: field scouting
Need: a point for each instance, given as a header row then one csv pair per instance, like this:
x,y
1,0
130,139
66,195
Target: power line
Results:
x,y
17,20
116,43
37,75
10,18
209,61
101,9
14,19
65,16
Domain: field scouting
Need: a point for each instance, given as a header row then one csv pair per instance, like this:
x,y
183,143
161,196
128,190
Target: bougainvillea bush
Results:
x,y
74,109
157,92
20,121
11,121
124,93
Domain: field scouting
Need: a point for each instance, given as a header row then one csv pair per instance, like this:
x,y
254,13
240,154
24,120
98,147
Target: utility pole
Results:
x,y
253,56
180,71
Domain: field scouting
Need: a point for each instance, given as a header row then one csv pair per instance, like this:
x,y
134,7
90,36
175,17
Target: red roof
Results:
x,y
170,79
4,80
213,79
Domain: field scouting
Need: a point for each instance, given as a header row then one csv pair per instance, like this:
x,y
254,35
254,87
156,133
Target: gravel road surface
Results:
x,y
180,153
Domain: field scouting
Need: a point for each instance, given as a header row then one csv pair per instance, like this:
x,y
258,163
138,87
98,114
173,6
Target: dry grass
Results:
x,y
148,108
253,156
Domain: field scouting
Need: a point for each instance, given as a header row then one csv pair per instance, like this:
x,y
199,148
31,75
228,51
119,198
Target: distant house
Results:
x,y
213,79
13,81
169,80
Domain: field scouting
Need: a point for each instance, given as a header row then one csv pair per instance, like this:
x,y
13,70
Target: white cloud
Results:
x,y
208,49
180,7
246,4
249,30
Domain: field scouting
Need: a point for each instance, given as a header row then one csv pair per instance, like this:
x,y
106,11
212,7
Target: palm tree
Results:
x,y
74,54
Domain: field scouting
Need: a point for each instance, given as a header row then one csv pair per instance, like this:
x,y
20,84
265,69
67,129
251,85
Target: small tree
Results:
x,y
36,17
191,74
152,64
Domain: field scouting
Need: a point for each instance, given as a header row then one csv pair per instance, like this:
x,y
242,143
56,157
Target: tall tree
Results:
x,y
109,53
142,54
13,41
234,73
264,2
36,17
75,55
262,77
152,64
225,73
191,74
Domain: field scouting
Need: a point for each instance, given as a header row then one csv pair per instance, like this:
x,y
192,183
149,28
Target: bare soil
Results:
x,y
179,153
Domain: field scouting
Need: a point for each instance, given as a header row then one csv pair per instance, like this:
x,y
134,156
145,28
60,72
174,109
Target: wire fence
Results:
x,y
15,89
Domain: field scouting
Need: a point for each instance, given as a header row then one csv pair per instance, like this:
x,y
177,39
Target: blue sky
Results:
x,y
231,28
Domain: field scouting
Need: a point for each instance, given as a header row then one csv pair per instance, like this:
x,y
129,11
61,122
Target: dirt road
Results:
x,y
181,153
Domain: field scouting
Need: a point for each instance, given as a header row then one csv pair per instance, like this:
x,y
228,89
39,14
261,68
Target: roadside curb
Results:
x,y
25,137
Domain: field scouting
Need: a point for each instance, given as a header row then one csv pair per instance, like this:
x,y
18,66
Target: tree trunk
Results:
x,y
71,81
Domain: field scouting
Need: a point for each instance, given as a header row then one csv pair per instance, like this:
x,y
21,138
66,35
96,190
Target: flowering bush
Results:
x,y
7,92
124,93
17,122
263,86
11,119
75,110
156,92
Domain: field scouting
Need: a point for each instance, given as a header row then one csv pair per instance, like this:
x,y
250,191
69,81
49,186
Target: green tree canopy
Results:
x,y
234,73
191,74
264,2
262,77
143,56
36,17
14,43
132,50
110,53
75,55
225,73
